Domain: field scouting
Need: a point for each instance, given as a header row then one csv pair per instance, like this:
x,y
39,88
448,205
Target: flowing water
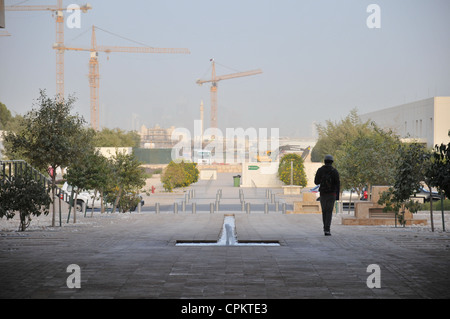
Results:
x,y
228,237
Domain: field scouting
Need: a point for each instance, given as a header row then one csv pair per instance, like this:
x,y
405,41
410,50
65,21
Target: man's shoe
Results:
x,y
327,233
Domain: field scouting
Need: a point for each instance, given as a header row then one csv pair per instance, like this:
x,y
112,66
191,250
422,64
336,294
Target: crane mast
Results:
x,y
59,9
213,91
94,73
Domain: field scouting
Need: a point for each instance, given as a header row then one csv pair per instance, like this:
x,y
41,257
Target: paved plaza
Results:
x,y
134,255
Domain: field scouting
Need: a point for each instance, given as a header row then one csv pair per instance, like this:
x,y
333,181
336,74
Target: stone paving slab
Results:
x,y
135,256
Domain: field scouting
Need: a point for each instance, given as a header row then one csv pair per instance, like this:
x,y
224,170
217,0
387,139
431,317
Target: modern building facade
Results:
x,y
426,121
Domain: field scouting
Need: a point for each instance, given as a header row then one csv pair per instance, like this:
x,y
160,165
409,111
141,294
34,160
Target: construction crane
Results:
x,y
59,9
94,75
214,79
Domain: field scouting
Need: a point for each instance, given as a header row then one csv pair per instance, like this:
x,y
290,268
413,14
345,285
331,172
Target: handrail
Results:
x,y
18,167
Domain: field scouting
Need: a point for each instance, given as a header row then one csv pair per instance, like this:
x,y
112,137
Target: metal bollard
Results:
x,y
283,207
266,208
248,208
217,205
175,208
276,206
183,206
272,200
194,208
242,205
157,208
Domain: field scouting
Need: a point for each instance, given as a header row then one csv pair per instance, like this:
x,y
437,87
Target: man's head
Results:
x,y
328,159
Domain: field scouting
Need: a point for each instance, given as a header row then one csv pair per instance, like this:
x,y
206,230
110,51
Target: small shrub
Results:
x,y
179,175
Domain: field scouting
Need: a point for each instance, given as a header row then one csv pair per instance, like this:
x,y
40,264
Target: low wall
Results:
x,y
224,168
260,175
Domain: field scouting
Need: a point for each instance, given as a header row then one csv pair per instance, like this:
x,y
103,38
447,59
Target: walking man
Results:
x,y
328,178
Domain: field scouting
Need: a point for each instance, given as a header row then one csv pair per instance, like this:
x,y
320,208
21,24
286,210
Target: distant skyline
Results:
x,y
319,60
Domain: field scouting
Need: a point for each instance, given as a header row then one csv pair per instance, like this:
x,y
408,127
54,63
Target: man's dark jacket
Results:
x,y
325,170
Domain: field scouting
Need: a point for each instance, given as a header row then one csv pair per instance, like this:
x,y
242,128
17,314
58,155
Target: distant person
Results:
x,y
328,178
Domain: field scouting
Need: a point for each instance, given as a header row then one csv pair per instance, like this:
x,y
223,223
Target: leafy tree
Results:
x,y
116,138
440,168
24,195
5,116
298,170
333,135
408,175
369,158
127,177
438,175
99,175
49,137
91,172
8,123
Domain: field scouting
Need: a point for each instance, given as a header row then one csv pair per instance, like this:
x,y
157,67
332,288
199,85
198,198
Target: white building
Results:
x,y
427,121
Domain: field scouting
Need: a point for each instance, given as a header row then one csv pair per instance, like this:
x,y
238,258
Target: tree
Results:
x,y
333,135
99,169
408,176
92,171
369,158
127,177
8,123
49,137
5,116
24,195
116,138
438,175
440,169
298,170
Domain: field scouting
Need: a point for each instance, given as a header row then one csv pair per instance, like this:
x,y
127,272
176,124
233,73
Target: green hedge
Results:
x,y
436,205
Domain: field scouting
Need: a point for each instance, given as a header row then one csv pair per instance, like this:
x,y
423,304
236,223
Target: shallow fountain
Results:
x,y
228,237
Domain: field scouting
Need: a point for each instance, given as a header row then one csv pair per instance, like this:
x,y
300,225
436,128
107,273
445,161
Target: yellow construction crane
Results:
x,y
94,75
59,9
214,79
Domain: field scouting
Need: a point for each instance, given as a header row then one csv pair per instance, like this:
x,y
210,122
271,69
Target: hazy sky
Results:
x,y
319,60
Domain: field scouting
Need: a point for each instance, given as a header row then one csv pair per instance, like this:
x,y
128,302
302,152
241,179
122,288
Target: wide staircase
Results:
x,y
11,168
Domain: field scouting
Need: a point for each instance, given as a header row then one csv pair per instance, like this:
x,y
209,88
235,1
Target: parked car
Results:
x,y
315,190
345,195
86,197
425,194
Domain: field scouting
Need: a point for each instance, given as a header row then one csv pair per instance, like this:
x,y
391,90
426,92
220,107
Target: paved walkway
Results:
x,y
135,256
